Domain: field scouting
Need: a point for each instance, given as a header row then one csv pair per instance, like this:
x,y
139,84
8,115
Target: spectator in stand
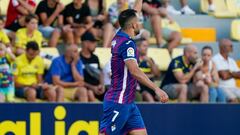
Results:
x,y
114,12
209,75
148,66
107,73
3,36
6,76
228,70
178,82
153,11
67,72
17,10
49,13
28,77
27,34
102,29
77,16
93,75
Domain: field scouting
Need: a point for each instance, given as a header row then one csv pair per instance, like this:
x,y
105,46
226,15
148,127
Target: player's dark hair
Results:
x,y
30,17
207,48
126,16
32,45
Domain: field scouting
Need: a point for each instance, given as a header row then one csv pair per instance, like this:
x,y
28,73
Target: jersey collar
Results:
x,y
123,34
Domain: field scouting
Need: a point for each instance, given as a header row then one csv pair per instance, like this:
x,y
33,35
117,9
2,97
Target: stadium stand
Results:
x,y
177,52
233,6
235,30
161,57
238,80
221,11
4,6
200,34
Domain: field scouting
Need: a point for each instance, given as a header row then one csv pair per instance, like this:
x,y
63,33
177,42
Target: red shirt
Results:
x,y
12,13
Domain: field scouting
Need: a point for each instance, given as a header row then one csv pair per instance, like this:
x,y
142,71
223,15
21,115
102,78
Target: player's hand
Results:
x,y
161,95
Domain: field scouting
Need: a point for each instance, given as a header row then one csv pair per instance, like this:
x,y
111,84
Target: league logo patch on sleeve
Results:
x,y
130,52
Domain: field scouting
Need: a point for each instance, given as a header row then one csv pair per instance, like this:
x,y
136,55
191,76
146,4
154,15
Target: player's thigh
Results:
x,y
138,132
135,122
114,118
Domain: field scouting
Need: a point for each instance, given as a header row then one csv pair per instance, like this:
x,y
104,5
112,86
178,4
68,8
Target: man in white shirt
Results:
x,y
228,70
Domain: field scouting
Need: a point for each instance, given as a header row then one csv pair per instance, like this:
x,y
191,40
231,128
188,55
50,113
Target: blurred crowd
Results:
x,y
78,76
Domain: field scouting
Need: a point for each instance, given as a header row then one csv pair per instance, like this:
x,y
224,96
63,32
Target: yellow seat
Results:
x,y
234,6
104,55
4,7
51,52
108,3
221,9
177,52
161,57
235,30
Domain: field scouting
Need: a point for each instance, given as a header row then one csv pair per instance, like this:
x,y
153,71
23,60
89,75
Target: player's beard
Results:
x,y
136,32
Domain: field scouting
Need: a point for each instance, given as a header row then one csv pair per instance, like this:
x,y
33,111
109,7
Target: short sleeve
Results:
x,y
15,3
176,66
40,66
54,69
5,39
128,50
235,67
41,8
80,67
19,39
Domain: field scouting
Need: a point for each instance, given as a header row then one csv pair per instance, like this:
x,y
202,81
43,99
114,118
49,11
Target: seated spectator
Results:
x,y
102,28
186,10
148,66
28,76
30,33
211,7
67,72
77,16
17,10
107,73
208,73
178,80
93,76
6,76
114,12
3,36
49,13
153,11
228,70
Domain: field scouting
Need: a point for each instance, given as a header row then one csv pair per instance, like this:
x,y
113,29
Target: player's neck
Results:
x,y
129,32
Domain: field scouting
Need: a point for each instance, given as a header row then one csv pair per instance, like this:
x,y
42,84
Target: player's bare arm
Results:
x,y
142,78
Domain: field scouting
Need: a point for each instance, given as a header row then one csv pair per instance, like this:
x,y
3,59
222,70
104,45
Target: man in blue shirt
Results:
x,y
120,114
67,71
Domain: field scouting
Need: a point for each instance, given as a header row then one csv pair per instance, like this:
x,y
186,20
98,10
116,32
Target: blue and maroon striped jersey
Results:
x,y
123,85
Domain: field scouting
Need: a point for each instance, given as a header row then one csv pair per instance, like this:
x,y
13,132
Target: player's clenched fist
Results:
x,y
161,95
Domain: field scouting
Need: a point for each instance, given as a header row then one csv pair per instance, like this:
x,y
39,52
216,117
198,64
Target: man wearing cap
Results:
x,y
93,76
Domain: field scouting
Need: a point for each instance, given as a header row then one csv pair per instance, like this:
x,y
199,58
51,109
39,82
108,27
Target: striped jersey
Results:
x,y
123,85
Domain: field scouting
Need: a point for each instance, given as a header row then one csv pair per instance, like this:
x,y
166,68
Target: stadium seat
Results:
x,y
235,30
108,3
161,57
4,7
200,34
104,55
51,52
177,52
234,6
238,80
221,11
